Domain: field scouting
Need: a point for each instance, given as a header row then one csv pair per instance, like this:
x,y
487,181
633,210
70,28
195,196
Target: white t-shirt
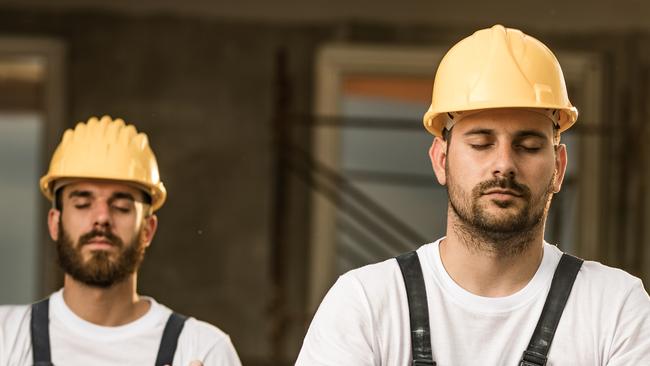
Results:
x,y
364,319
76,342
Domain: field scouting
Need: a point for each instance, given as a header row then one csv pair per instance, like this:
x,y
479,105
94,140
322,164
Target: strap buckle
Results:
x,y
423,363
532,359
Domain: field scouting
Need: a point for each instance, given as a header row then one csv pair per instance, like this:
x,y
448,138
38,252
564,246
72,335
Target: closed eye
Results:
x,y
122,209
480,146
529,148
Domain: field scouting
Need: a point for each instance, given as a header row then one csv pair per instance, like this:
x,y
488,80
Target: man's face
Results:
x,y
501,169
101,231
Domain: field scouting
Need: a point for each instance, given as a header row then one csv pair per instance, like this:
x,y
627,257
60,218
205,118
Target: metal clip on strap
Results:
x,y
532,359
423,363
563,279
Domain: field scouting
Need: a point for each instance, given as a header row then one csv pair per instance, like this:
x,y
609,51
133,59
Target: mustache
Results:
x,y
110,237
503,183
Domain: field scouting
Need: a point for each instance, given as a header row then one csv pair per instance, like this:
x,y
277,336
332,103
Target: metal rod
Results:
x,y
356,195
331,193
280,208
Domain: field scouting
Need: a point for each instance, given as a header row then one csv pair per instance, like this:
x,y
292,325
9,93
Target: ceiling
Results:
x,y
562,15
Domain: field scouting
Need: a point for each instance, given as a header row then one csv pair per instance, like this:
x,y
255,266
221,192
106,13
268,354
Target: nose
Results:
x,y
504,162
102,217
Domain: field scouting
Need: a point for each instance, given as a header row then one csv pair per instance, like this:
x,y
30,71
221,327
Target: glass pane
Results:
x,y
20,219
389,165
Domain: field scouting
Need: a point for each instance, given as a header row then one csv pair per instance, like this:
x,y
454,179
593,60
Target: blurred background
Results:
x,y
289,137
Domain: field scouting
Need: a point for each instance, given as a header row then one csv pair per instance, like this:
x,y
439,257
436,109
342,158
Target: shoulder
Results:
x,y
206,342
197,329
366,291
194,331
599,278
611,294
200,340
13,317
373,282
14,311
373,273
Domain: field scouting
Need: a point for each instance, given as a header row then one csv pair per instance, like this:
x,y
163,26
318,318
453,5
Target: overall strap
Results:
x,y
416,294
169,339
40,332
540,343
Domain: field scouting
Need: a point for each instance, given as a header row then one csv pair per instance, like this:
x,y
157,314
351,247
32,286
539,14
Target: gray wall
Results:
x,y
203,91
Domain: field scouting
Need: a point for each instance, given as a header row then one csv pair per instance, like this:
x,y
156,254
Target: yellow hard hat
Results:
x,y
498,68
105,149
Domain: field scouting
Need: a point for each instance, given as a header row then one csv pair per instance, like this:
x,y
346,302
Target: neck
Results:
x,y
116,305
490,264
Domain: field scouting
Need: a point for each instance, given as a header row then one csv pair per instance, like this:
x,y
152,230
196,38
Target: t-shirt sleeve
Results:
x,y
341,332
222,354
201,341
15,335
631,341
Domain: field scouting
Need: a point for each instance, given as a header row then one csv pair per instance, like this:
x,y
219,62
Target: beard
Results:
x,y
100,270
506,233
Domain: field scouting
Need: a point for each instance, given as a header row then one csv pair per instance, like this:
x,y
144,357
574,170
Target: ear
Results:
x,y
150,226
560,167
438,156
53,219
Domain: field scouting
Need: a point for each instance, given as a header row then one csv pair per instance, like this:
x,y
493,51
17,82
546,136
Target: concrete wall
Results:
x,y
203,92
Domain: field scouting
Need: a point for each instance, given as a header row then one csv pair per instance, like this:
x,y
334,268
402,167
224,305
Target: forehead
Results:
x,y
99,188
509,121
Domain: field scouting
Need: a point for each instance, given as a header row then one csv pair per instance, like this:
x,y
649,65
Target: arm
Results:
x,y
631,341
341,332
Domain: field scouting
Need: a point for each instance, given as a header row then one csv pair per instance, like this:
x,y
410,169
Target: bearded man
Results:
x,y
104,185
492,291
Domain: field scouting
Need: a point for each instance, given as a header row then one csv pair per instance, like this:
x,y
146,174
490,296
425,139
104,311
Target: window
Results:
x,y
30,107
378,96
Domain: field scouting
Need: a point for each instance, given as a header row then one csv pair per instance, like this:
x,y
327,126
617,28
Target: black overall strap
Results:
x,y
540,343
169,339
40,331
416,294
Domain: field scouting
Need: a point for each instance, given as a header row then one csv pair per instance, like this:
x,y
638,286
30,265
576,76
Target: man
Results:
x,y
104,184
491,292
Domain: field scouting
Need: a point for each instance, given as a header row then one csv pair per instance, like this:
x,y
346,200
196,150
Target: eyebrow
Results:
x,y
479,131
82,194
519,134
114,196
531,133
122,195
